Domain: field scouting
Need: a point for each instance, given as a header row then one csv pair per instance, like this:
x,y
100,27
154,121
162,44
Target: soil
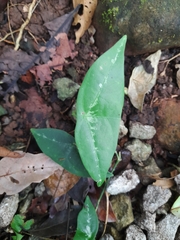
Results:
x,y
36,106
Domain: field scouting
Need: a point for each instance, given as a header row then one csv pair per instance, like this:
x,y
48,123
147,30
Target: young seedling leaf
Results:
x,y
87,225
17,223
60,147
99,106
175,209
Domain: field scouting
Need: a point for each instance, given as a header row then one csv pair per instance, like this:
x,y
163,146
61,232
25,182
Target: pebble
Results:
x,y
168,124
107,237
8,208
124,183
139,151
133,232
66,88
140,131
122,208
147,221
123,130
155,197
165,229
177,181
144,172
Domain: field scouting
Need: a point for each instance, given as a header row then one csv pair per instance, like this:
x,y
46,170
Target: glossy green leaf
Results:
x,y
175,209
87,225
99,106
60,147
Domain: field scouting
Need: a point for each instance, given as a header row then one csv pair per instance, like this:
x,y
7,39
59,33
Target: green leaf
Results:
x,y
175,209
17,223
2,111
60,147
99,106
17,237
87,225
27,225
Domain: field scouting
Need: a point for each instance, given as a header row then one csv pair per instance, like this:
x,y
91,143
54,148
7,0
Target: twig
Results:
x,y
7,35
11,32
30,12
167,62
107,212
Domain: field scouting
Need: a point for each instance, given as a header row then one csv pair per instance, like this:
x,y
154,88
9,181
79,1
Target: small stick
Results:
x,y
30,12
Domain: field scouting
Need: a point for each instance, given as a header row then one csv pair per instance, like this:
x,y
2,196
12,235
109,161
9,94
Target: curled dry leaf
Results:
x,y
162,182
17,173
143,78
178,75
60,182
84,20
4,152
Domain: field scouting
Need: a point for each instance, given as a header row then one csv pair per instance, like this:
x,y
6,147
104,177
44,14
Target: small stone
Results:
x,y
107,237
8,208
144,172
123,130
39,189
177,181
139,151
155,197
66,88
168,124
124,183
122,208
147,221
140,131
133,232
165,229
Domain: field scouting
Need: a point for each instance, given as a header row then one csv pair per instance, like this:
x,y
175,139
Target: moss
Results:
x,y
109,15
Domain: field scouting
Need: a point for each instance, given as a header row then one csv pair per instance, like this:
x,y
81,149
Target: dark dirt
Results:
x,y
39,107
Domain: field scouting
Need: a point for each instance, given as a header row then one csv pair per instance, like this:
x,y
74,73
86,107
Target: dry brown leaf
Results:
x,y
4,152
143,78
84,20
164,182
60,182
18,173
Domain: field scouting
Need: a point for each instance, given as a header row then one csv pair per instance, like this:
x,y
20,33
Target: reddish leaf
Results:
x,y
101,212
60,182
4,152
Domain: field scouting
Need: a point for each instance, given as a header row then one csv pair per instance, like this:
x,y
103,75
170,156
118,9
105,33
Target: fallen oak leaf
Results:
x,y
18,173
4,152
85,19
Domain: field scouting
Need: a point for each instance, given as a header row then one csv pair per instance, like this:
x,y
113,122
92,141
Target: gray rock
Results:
x,y
123,130
66,88
25,204
133,232
139,151
177,181
122,208
144,22
140,131
124,183
155,197
39,189
107,237
147,221
165,228
144,172
8,208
